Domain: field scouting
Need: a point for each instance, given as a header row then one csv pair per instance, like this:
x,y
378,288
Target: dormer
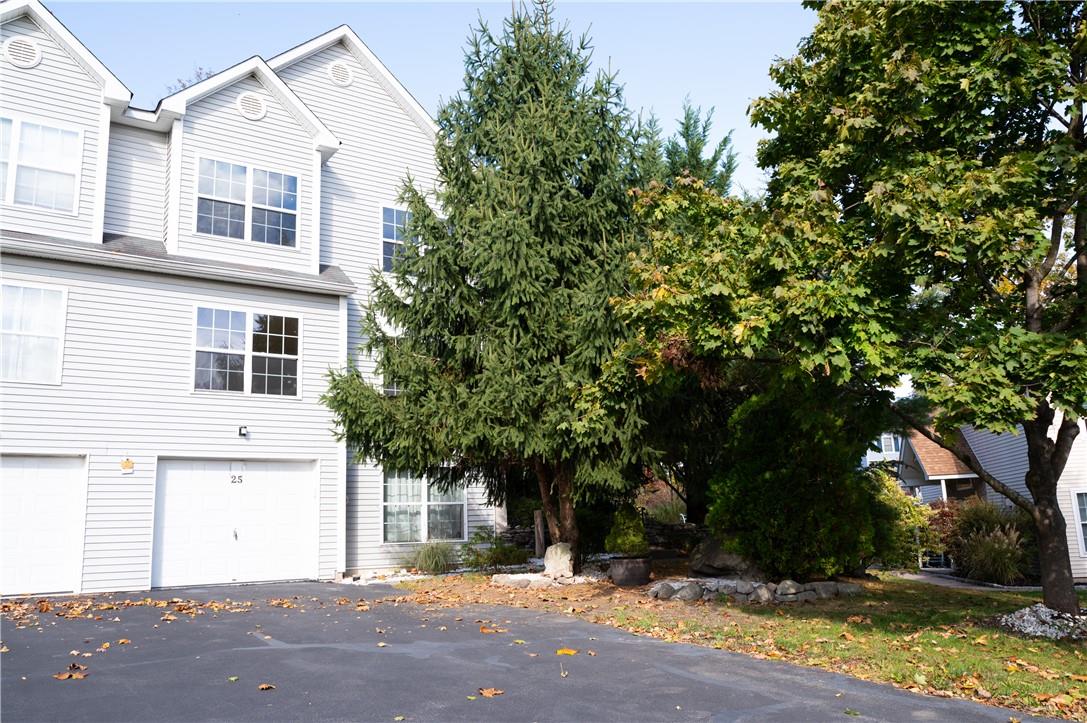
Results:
x,y
243,170
55,109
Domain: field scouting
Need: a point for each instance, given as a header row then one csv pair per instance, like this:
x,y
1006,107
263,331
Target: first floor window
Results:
x,y
415,511
238,351
39,164
32,333
1081,508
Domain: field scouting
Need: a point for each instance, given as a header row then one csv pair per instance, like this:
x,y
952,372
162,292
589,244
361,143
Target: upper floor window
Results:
x,y
393,223
890,443
39,165
32,333
237,351
229,194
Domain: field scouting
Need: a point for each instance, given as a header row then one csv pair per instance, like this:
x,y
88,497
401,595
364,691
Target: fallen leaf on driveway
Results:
x,y
70,675
73,652
266,686
123,641
470,697
518,642
591,652
76,666
565,651
4,649
382,645
563,672
398,718
105,646
489,631
232,679
490,692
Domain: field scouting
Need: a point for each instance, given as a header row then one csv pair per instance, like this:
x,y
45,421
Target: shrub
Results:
x,y
668,513
433,558
981,542
627,536
488,551
520,511
902,526
994,555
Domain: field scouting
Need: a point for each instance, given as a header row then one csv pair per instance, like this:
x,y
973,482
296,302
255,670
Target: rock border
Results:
x,y
748,592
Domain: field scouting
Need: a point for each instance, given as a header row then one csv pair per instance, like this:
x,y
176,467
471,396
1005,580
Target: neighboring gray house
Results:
x,y
176,284
932,474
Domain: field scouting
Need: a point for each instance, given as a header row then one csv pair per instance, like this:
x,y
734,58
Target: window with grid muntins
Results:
x,y
1081,502
229,194
220,350
39,165
393,222
275,355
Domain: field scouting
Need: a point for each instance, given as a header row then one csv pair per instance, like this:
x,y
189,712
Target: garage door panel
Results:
x,y
241,521
41,501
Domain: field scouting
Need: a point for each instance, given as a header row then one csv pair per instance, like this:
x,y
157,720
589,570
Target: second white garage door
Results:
x,y
219,521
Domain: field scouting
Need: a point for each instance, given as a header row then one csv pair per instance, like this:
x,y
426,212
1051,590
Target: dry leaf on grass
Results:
x,y
490,692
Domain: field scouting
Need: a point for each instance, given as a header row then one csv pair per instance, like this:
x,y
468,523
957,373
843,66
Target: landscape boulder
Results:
x,y
559,561
711,559
824,590
788,587
690,592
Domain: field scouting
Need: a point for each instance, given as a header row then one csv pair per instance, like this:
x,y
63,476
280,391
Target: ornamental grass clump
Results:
x,y
433,558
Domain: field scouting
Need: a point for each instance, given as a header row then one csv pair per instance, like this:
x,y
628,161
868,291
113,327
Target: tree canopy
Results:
x,y
925,216
498,311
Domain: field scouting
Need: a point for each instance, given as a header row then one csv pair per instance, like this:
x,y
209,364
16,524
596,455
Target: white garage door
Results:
x,y
218,521
41,500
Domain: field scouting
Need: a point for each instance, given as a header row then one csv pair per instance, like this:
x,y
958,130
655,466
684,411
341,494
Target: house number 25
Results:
x,y
235,479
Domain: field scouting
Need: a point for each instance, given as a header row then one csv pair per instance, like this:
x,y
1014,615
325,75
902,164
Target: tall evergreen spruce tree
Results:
x,y
499,312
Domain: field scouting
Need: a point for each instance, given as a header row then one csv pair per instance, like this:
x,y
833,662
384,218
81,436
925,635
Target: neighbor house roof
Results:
x,y
366,57
114,92
935,461
135,254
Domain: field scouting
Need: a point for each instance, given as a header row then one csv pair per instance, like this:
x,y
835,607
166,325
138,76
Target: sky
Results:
x,y
716,54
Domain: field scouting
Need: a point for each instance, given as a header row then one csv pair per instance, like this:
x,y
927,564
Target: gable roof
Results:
x,y
114,92
935,461
344,34
175,105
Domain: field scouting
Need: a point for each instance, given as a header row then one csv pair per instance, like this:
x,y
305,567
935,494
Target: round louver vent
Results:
x,y
341,73
251,106
22,52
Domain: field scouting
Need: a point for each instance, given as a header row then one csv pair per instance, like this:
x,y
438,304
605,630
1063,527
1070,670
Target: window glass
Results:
x,y
219,331
31,334
393,223
47,162
403,503
5,154
1081,500
445,513
220,218
278,374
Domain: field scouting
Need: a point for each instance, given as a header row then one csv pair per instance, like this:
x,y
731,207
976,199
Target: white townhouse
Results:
x,y
176,284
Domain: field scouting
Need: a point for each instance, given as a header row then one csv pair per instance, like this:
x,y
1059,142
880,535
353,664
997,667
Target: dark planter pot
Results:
x,y
629,571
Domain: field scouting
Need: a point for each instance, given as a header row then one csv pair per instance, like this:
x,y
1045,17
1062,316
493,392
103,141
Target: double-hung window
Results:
x,y
32,333
240,351
890,443
1080,498
415,511
251,204
393,223
39,165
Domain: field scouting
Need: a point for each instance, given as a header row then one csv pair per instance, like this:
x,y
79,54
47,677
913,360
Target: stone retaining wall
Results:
x,y
744,591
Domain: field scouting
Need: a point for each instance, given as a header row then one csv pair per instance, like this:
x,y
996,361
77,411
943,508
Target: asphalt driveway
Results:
x,y
329,660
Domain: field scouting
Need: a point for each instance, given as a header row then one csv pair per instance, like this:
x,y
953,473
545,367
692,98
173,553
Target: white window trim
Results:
x,y
249,205
59,377
1078,518
247,376
424,520
17,120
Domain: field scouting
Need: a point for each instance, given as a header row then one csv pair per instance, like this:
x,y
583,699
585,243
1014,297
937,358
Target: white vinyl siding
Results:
x,y
215,131
127,393
60,93
381,145
136,182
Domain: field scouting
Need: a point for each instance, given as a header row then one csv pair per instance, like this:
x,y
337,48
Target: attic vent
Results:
x,y
251,106
22,52
341,73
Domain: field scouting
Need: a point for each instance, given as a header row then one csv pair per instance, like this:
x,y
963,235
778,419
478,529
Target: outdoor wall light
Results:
x,y
243,431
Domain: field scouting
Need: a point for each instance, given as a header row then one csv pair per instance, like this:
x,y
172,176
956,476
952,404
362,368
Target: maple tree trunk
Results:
x,y
1058,585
